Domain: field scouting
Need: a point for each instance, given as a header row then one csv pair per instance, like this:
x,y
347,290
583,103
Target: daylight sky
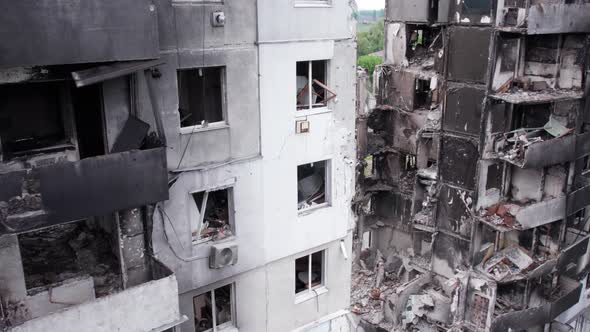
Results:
x,y
370,4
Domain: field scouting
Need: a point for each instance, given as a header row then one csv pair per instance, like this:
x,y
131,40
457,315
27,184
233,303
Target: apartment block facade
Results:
x,y
473,190
176,165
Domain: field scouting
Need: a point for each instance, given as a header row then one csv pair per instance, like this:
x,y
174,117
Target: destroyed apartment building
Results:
x,y
176,165
473,188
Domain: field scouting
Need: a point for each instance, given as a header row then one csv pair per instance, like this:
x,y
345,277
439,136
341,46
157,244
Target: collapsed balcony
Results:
x,y
539,68
68,277
545,304
73,151
418,48
535,136
543,17
534,148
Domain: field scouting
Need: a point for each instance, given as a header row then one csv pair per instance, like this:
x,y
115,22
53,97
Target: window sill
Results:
x,y
199,128
314,111
197,243
306,296
312,209
305,4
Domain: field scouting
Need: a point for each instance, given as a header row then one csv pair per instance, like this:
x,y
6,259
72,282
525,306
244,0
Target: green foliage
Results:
x,y
369,62
370,41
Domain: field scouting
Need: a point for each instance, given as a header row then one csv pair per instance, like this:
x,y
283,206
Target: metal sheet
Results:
x,y
96,187
55,32
102,185
132,135
106,72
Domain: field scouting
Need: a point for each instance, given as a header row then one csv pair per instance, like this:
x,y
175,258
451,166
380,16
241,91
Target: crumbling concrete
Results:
x,y
473,230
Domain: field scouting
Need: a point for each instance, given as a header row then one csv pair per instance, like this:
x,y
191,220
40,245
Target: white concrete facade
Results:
x,y
269,231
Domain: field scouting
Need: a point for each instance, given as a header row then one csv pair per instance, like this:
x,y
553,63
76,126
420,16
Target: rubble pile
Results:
x,y
67,251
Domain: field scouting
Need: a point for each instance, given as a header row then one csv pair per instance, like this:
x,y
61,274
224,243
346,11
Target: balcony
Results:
x,y
508,216
151,306
538,148
61,32
560,299
66,191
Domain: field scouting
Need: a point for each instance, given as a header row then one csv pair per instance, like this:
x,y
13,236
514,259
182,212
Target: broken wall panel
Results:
x,y
458,165
468,63
409,10
449,253
452,211
464,105
61,32
558,18
91,187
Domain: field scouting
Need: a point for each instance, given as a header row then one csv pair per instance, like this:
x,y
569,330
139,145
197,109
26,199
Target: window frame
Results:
x,y
318,107
312,291
327,187
200,222
223,326
223,82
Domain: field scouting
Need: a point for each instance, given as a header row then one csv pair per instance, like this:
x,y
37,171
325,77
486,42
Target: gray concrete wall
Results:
x,y
188,40
291,20
265,298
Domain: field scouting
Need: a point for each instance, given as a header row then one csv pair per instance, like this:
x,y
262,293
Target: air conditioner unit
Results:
x,y
223,254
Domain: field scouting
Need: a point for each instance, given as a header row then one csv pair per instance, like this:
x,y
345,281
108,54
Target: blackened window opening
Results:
x,y
30,117
200,94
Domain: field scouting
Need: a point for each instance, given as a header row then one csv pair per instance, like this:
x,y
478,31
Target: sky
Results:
x,y
370,4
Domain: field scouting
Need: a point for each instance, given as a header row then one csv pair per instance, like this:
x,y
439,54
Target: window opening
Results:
x,y
213,220
30,118
422,94
309,271
311,184
312,90
201,96
88,110
214,309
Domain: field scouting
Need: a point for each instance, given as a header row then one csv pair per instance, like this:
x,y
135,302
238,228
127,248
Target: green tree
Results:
x,y
370,41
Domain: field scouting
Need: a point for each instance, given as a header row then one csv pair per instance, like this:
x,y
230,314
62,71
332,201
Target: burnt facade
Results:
x,y
472,205
82,165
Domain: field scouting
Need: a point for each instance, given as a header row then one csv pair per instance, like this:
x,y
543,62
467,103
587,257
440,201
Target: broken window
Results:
x,y
312,89
312,184
31,118
201,96
213,220
214,309
309,272
422,94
